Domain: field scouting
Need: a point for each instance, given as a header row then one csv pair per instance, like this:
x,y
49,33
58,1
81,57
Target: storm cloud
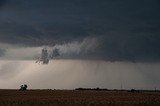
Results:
x,y
124,30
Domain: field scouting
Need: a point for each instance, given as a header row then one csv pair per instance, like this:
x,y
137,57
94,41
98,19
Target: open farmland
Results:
x,y
77,98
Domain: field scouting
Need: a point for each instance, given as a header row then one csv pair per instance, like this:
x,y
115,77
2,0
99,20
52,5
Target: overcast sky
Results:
x,y
115,30
101,43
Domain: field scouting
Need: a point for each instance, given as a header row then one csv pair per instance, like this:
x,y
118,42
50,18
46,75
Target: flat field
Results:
x,y
77,98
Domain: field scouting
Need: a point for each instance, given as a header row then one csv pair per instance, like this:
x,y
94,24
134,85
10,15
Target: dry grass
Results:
x,y
77,98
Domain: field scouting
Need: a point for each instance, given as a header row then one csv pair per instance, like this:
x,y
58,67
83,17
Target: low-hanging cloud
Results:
x,y
127,34
77,48
74,49
2,52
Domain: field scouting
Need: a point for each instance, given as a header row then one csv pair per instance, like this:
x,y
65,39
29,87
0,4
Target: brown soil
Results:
x,y
77,98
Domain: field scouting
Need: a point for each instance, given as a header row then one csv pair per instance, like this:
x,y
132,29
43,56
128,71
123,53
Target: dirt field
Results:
x,y
77,98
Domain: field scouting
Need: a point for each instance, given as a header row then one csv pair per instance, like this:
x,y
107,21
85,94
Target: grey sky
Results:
x,y
101,43
126,30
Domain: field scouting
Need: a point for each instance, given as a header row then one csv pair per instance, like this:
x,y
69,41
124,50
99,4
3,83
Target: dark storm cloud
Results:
x,y
126,30
2,2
